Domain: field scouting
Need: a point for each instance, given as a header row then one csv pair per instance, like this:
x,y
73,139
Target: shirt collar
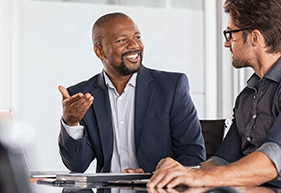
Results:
x,y
132,81
274,74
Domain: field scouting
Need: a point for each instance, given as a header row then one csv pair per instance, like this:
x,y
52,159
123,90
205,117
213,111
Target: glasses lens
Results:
x,y
227,35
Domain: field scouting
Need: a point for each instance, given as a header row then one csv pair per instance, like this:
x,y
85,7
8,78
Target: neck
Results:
x,y
119,82
265,62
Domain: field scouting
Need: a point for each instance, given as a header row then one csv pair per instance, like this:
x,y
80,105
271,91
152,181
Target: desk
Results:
x,y
105,188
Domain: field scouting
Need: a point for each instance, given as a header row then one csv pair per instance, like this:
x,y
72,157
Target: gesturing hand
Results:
x,y
74,107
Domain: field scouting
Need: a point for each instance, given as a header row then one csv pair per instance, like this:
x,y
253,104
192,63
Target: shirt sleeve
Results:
x,y
273,152
230,148
217,160
274,135
76,132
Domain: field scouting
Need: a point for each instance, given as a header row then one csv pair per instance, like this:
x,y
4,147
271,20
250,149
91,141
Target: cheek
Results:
x,y
141,46
236,48
114,54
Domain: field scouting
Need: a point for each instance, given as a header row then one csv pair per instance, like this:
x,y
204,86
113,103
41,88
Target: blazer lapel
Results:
x,y
102,110
143,97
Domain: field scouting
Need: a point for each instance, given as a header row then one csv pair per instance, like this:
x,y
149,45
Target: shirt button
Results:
x,y
123,147
120,98
254,116
121,122
255,97
248,138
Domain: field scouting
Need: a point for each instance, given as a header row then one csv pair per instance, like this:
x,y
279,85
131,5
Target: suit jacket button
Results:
x,y
77,148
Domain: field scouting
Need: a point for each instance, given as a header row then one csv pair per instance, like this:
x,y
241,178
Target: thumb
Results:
x,y
64,92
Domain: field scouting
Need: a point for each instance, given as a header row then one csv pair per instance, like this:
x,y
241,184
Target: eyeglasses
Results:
x,y
228,34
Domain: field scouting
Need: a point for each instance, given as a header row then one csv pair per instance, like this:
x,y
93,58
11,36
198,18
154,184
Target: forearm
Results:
x,y
253,169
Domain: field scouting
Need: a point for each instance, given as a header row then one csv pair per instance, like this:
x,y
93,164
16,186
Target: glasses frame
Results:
x,y
225,32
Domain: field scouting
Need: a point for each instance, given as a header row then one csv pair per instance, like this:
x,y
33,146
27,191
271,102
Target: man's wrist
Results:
x,y
69,124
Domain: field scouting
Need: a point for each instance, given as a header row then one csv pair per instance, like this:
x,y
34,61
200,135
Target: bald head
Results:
x,y
98,31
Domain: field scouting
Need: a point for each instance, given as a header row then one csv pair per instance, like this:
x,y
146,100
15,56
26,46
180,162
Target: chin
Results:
x,y
126,70
240,64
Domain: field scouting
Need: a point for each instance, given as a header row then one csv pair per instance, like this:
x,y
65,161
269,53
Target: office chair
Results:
x,y
213,133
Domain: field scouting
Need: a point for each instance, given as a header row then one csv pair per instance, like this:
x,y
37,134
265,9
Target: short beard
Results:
x,y
236,63
123,70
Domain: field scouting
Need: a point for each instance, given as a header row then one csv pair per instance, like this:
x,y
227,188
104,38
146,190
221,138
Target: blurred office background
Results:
x,y
46,43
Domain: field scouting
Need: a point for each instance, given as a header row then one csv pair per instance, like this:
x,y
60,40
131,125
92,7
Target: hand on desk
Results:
x,y
170,173
130,170
74,107
242,173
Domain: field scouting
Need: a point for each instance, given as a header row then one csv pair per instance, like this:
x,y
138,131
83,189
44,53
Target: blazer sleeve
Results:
x,y
75,154
188,142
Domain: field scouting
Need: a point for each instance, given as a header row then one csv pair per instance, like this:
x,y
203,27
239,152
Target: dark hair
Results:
x,y
263,15
97,30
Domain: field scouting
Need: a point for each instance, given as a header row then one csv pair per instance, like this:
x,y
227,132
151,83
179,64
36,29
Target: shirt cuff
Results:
x,y
76,132
273,152
217,160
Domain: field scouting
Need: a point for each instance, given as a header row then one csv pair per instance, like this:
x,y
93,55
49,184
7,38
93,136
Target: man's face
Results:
x,y
241,51
122,47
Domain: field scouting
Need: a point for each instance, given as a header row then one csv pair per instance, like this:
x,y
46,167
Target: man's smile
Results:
x,y
132,57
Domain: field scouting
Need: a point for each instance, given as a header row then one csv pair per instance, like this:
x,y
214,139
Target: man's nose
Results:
x,y
227,44
133,44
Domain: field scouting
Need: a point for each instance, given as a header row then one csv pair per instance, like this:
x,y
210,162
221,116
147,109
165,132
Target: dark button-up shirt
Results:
x,y
256,121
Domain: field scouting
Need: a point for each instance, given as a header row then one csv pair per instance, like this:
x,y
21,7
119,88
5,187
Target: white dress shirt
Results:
x,y
123,110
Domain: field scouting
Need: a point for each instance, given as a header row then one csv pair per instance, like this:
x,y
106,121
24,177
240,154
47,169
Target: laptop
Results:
x,y
13,166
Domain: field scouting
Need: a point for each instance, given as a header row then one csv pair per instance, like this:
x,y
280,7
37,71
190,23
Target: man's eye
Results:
x,y
137,37
121,40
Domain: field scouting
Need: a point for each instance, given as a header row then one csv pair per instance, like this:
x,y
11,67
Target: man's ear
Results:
x,y
99,51
256,38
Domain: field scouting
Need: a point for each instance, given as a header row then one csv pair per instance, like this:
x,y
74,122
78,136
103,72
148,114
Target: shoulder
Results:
x,y
166,76
83,86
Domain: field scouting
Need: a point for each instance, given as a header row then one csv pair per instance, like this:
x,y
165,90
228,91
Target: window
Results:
x,y
177,4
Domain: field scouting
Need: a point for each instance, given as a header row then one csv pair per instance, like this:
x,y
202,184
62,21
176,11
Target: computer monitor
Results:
x,y
13,166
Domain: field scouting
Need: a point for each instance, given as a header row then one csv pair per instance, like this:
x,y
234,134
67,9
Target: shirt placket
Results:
x,y
252,121
121,112
259,92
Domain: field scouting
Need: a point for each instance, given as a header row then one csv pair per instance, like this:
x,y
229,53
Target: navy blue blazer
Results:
x,y
166,124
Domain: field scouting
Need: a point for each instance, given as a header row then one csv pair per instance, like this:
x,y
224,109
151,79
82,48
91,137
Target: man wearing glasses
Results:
x,y
250,154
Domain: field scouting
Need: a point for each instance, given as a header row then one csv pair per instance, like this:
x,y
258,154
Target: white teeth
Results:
x,y
133,56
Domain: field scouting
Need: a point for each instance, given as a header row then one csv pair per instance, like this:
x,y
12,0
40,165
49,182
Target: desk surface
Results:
x,y
105,188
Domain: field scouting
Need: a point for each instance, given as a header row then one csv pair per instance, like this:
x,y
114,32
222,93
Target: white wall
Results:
x,y
54,47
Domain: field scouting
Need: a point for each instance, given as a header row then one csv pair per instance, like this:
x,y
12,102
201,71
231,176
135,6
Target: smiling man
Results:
x,y
128,117
250,154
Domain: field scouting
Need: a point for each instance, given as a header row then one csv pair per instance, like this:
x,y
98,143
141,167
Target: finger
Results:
x,y
164,180
83,104
156,179
138,170
76,100
176,181
72,99
127,170
162,177
64,92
